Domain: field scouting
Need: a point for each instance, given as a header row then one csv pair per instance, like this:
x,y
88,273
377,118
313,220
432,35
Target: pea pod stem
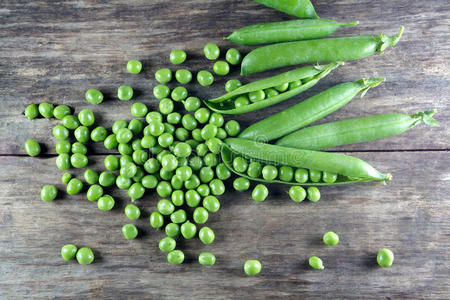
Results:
x,y
356,130
355,169
302,9
308,111
315,51
224,105
286,31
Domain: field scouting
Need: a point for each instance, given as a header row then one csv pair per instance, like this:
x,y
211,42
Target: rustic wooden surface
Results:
x,y
55,50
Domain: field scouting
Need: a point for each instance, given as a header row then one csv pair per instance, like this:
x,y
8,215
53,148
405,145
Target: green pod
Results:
x,y
302,9
308,111
348,168
287,31
316,51
310,75
356,130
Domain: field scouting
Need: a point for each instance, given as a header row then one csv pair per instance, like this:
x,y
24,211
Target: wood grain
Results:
x,y
55,50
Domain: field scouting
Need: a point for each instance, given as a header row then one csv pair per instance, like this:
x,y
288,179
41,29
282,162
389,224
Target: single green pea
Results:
x,y
232,84
60,132
294,84
119,124
31,112
214,145
63,147
166,175
254,169
206,174
128,170
241,101
136,191
178,216
188,230
177,56
206,235
206,259
156,128
32,148
178,198
165,207
105,203
179,93
175,257
329,177
197,135
174,118
200,215
252,267
136,126
202,115
164,189
94,96
216,119
161,91
153,116
222,172
82,134
256,96
156,220
169,128
107,179
167,244
148,141
78,147
129,231
163,75
49,193
330,238
125,159
152,165
232,127
172,230
68,252
316,263
189,122
86,117
74,186
140,156
241,184
217,187
282,87
124,135
46,110
196,163
260,193
315,176
193,182
203,190
111,163
385,258
70,122
110,142
65,178
193,198
211,160
165,140
201,149
134,66
85,256
211,51
191,104
182,150
211,203
269,172
221,134
123,183
136,144
221,68
63,161
240,164
139,110
78,160
162,154
233,56
99,134
297,193
205,78
313,194
286,173
301,175
271,92
166,106
149,181
125,92
183,76
90,176
61,111
94,192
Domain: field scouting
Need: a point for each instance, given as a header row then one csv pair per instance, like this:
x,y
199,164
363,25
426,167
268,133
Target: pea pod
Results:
x,y
308,111
356,130
287,31
308,75
300,8
315,51
349,169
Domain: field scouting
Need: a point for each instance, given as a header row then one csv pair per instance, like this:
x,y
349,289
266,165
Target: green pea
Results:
x,y
222,172
63,161
178,198
256,96
181,134
136,144
183,76
206,259
214,145
125,92
282,87
163,75
91,176
329,177
297,193
172,230
46,110
188,230
111,142
49,193
156,128
179,93
60,132
32,148
149,181
99,134
182,150
111,163
211,160
166,106
193,198
65,178
221,134
169,128
134,66
156,220
78,160
174,118
221,68
136,191
94,192
140,156
196,163
241,184
105,203
119,124
301,175
82,134
295,84
129,231
260,193
232,127
191,104
217,187
385,258
202,115
254,169
78,147
74,186
206,174
330,238
175,257
313,194
315,176
85,256
162,154
240,164
165,140
178,217
286,173
86,117
189,122
68,252
193,182
165,207
128,170
205,78
203,190
252,267
148,141
164,189
233,56
152,165
106,179
216,119
206,235
177,56
124,135
316,263
136,126
271,92
70,122
123,183
161,91
167,244
241,101
201,149
211,51
139,110
125,159
94,96
211,203
63,147
31,112
154,116
61,111
269,172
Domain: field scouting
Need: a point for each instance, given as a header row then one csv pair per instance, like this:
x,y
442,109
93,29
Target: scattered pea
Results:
x,y
330,238
167,244
175,257
129,231
206,259
232,84
65,178
313,194
206,235
134,66
125,92
94,192
205,78
31,112
105,203
68,252
94,96
316,263
211,51
183,76
32,148
385,258
91,176
161,91
85,256
46,110
49,193
188,230
156,220
233,56
61,111
221,68
163,75
260,193
177,56
252,267
297,193
241,184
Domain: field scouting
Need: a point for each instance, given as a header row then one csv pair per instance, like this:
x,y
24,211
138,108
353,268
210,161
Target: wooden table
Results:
x,y
55,50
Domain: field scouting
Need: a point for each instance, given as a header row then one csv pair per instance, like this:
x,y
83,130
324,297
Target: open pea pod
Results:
x,y
345,169
307,77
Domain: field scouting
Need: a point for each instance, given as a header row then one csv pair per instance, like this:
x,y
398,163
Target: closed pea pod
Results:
x,y
308,111
299,8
